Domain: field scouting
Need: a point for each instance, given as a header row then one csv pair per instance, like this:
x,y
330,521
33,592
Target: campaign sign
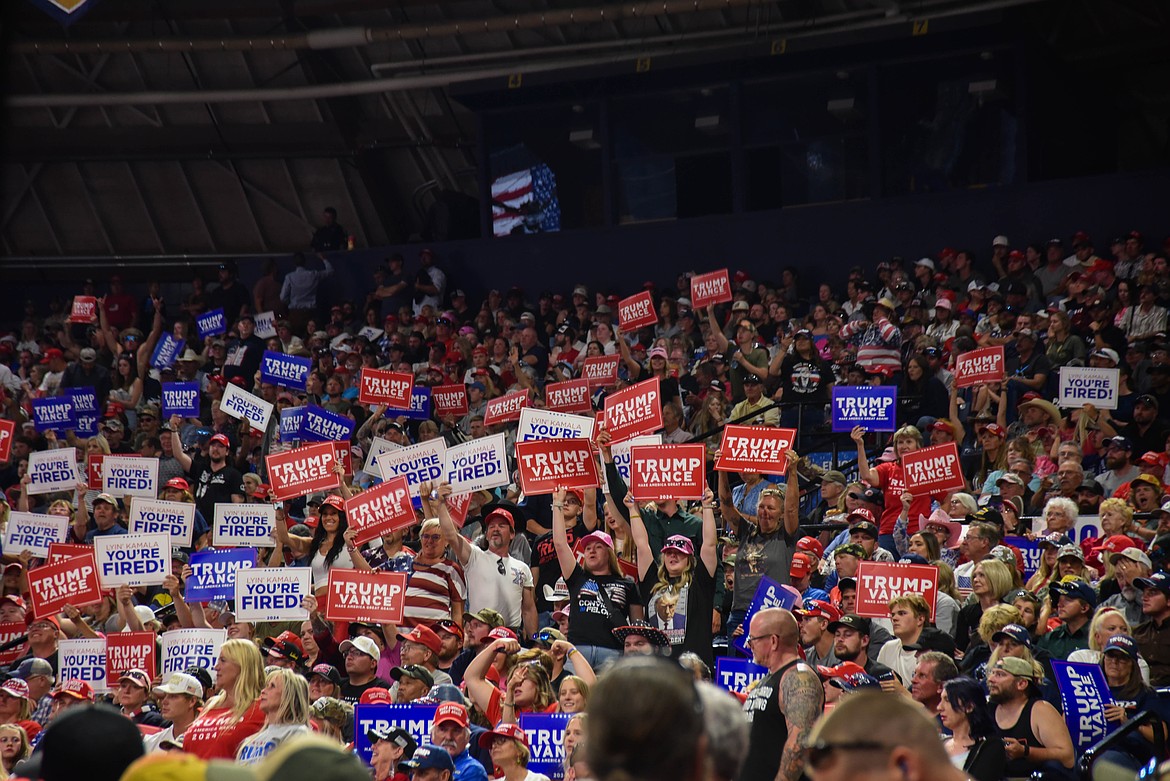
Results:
x,y
370,334
1030,550
1081,385
415,719
880,581
713,287
213,573
372,597
83,660
548,464
571,396
52,470
265,324
13,631
211,323
303,470
34,532
874,408
933,469
634,410
242,525
659,472
621,452
380,386
637,311
736,675
979,366
129,651
93,470
288,371
321,425
419,463
1086,527
180,398
155,516
760,449
168,349
1084,694
84,400
61,551
272,593
420,405
383,509
768,594
546,742
73,581
477,465
183,648
378,447
130,476
84,310
543,424
53,414
505,409
449,400
291,420
457,507
132,559
7,432
242,405
600,370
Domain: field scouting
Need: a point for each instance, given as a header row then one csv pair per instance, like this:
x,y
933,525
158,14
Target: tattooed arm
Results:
x,y
802,700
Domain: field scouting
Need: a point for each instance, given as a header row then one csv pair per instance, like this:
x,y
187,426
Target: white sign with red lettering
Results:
x,y
760,449
933,469
880,581
304,470
371,597
548,464
380,386
380,510
634,410
83,660
659,472
505,408
600,370
637,311
571,396
713,287
977,367
449,400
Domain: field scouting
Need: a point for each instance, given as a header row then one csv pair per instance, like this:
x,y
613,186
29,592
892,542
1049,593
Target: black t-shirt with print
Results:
x,y
685,615
213,488
591,619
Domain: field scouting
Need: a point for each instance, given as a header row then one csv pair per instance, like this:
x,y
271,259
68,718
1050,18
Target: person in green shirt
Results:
x,y
1076,601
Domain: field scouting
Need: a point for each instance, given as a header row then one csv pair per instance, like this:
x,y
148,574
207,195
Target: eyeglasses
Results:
x,y
435,538
749,640
819,752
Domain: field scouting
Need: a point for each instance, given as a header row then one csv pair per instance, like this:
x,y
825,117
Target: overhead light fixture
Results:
x,y
844,109
584,138
710,123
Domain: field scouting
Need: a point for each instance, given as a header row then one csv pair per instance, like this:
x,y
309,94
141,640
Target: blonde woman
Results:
x,y
890,478
1107,622
285,703
990,581
234,714
14,747
994,619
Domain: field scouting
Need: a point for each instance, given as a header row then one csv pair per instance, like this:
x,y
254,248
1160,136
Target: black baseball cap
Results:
x,y
851,621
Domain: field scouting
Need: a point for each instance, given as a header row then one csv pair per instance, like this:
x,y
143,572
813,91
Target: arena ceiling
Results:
x,y
171,127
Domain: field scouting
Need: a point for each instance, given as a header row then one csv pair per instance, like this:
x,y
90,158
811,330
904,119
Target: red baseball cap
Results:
x,y
801,566
500,512
843,669
376,695
1116,544
811,545
816,608
221,439
180,483
78,690
424,636
863,513
451,711
504,730
502,633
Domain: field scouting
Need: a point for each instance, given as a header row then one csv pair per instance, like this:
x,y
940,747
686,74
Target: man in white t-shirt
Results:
x,y
494,579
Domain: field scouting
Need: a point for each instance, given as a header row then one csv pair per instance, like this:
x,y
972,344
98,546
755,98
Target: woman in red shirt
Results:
x,y
528,689
233,714
890,478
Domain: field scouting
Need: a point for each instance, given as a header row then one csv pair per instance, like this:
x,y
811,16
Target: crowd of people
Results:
x,y
1053,550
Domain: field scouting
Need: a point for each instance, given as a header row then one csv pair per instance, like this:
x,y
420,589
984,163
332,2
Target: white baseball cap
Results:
x,y
180,683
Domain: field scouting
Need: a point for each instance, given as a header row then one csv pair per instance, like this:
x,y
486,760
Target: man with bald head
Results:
x,y
875,737
783,707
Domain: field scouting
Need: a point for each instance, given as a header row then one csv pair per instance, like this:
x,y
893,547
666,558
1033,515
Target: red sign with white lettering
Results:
x,y
370,597
660,472
60,551
343,453
505,409
449,400
10,631
458,506
979,366
73,582
129,651
600,370
760,449
7,433
379,386
637,311
93,469
934,469
84,310
711,288
571,396
634,410
380,510
880,581
548,464
303,470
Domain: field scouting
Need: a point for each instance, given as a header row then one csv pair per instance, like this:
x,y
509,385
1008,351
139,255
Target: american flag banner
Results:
x,y
526,202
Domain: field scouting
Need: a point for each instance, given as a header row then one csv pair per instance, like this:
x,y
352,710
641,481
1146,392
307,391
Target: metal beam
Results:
x,y
198,206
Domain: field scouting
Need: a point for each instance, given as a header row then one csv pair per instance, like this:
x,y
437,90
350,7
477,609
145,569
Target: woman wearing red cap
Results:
x,y
682,586
508,746
890,478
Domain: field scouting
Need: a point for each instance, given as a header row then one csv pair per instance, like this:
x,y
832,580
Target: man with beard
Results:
x,y
852,642
244,352
817,640
1119,463
1075,603
216,481
1153,634
1034,734
1146,431
1129,564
